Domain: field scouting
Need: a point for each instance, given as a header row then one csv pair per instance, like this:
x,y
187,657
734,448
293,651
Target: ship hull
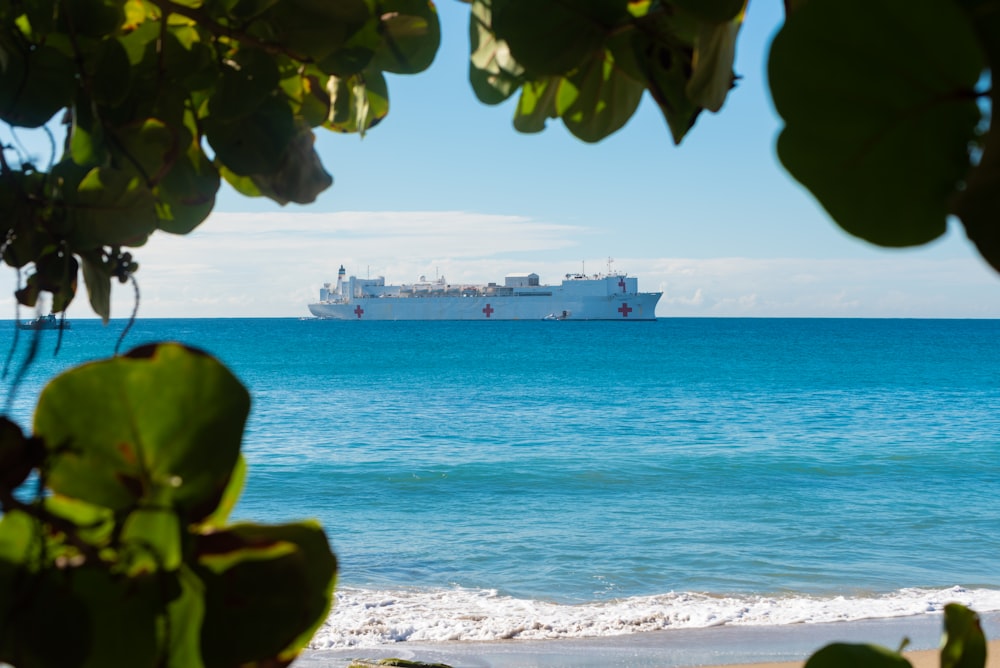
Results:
x,y
627,307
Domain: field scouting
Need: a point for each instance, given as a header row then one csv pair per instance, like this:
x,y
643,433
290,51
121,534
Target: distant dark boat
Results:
x,y
49,321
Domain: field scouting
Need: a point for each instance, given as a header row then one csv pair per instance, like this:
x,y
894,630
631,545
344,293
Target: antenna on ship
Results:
x,y
610,260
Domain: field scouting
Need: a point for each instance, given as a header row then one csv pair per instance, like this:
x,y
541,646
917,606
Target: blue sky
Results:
x,y
444,185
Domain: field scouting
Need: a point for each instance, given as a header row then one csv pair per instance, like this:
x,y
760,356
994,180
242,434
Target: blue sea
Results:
x,y
537,480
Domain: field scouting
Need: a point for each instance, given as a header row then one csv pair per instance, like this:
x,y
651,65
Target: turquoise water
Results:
x,y
581,463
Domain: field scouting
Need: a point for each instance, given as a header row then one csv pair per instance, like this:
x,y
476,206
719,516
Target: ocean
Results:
x,y
551,480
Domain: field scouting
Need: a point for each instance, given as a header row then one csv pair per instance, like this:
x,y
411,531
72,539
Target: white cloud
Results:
x,y
261,265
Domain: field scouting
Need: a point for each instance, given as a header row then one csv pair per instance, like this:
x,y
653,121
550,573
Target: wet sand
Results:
x,y
761,646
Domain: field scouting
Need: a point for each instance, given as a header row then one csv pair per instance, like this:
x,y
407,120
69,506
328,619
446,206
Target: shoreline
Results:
x,y
785,646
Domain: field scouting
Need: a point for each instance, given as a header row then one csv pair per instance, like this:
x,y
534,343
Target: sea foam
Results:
x,y
369,618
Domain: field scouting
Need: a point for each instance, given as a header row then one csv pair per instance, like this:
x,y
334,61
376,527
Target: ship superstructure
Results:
x,y
612,296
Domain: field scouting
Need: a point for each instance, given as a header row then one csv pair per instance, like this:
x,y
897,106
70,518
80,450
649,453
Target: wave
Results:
x,y
370,617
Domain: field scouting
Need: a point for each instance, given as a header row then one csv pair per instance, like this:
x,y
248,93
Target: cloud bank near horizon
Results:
x,y
273,264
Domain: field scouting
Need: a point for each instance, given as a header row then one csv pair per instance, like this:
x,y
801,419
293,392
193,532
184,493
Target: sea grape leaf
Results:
x,y
185,614
123,615
151,540
36,85
358,103
55,272
267,589
86,140
604,98
18,540
256,142
97,278
410,33
162,423
310,94
300,177
250,78
712,76
965,644
712,11
218,518
186,194
47,607
551,37
537,104
149,146
111,74
91,18
16,460
879,114
838,655
315,28
664,60
93,524
493,72
110,207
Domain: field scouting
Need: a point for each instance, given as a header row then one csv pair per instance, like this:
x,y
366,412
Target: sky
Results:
x,y
445,186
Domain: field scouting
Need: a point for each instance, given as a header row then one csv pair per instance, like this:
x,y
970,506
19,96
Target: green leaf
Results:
x,y
537,104
93,524
249,79
604,99
315,28
36,85
186,194
97,278
300,177
111,73
664,60
552,37
879,113
47,608
91,18
185,614
493,72
17,456
122,615
218,518
110,207
267,590
162,424
151,540
410,33
358,103
713,11
839,655
18,540
86,140
255,143
712,76
149,147
55,272
965,644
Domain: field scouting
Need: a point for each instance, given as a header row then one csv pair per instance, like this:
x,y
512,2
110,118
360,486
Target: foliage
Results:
x,y
123,550
887,117
964,647
589,63
124,553
164,99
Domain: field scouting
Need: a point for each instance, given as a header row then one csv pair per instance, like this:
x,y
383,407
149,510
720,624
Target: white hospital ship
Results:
x,y
611,296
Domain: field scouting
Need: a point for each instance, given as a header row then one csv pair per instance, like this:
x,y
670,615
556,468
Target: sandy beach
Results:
x,y
786,646
928,658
